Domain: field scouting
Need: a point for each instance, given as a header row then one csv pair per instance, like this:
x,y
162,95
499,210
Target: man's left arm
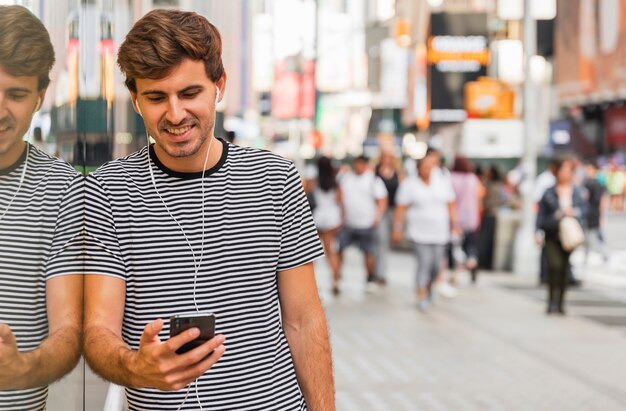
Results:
x,y
305,326
59,353
382,200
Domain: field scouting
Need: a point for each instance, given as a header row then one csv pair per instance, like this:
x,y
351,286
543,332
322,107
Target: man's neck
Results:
x,y
11,156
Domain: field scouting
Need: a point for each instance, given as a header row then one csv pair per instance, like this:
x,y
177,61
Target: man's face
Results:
x,y
18,101
179,110
359,166
435,157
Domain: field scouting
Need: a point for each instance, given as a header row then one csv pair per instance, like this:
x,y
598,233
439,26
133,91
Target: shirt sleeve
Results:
x,y
66,251
403,195
380,191
299,242
103,253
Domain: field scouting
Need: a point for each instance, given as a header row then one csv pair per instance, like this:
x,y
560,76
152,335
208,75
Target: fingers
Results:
x,y
181,339
199,353
151,332
190,374
6,335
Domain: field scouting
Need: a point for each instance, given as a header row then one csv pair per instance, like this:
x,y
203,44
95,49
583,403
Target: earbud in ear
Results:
x,y
38,104
138,108
217,95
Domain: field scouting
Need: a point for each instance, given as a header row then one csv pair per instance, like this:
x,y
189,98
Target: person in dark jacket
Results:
x,y
565,199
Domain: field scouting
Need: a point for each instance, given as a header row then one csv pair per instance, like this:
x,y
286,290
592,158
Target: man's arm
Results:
x,y
155,364
306,330
59,353
398,223
454,220
381,207
604,208
339,198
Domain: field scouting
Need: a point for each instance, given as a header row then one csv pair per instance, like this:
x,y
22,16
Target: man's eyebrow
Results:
x,y
194,87
145,93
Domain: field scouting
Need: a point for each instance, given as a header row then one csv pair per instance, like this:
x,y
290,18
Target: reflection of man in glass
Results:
x,y
40,306
195,224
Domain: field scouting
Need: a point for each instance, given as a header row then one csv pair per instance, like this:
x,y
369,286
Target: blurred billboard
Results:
x,y
458,52
590,51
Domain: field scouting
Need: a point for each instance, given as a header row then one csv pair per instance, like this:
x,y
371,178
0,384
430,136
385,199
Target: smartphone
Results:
x,y
204,321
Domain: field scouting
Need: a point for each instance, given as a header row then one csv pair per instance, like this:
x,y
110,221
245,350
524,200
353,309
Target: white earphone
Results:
x,y
38,107
138,108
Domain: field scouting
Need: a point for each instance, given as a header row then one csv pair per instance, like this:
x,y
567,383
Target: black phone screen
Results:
x,y
204,322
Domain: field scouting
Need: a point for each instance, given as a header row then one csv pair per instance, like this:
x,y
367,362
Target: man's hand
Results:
x,y
156,364
456,230
539,238
12,363
569,212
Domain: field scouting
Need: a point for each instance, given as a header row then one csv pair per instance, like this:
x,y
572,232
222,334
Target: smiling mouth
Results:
x,y
4,128
177,131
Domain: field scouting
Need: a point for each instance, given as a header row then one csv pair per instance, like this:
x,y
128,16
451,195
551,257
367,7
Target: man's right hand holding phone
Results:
x,y
156,364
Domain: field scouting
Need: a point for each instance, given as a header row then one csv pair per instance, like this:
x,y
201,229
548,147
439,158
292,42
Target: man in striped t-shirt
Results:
x,y
195,224
40,225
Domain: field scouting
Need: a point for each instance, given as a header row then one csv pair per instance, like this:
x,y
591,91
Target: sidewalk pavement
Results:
x,y
491,348
611,273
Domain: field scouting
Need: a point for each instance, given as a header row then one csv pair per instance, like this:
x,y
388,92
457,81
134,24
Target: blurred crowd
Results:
x,y
448,216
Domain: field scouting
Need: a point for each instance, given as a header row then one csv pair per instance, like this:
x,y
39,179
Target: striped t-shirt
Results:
x,y
257,223
38,234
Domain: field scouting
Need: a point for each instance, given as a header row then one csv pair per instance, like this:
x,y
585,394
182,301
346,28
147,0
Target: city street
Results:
x,y
490,348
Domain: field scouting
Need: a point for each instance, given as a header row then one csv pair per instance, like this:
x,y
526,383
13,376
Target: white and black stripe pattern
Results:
x,y
257,223
35,237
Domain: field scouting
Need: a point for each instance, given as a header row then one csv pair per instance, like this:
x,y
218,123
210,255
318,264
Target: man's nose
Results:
x,y
176,112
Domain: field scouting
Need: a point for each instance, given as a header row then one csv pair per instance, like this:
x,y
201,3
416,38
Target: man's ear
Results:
x,y
40,98
221,85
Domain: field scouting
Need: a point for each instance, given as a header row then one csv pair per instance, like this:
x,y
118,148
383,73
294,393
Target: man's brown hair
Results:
x,y
162,39
25,47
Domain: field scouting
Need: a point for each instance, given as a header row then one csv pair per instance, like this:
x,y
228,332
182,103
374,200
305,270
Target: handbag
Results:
x,y
571,233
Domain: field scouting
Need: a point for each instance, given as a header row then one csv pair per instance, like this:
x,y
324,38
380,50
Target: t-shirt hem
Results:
x,y
107,275
50,277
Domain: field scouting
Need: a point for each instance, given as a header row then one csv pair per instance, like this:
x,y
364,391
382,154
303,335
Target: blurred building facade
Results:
x,y
590,75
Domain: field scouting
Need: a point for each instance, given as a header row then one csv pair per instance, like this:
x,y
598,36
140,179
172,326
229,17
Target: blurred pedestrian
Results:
x,y
327,214
389,171
493,201
364,203
615,186
444,284
598,204
543,182
565,199
424,202
467,189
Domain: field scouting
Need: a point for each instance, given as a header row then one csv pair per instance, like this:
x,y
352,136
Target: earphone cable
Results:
x,y
196,264
19,187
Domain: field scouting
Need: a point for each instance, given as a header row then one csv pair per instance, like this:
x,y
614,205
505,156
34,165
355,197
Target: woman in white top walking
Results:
x,y
327,214
425,200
